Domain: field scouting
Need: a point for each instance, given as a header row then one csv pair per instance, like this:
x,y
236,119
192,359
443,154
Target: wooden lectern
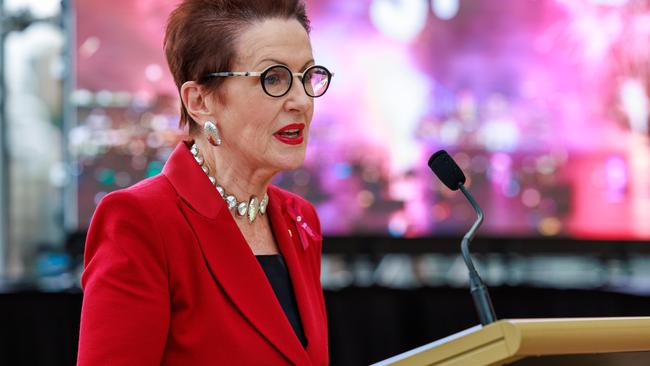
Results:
x,y
575,342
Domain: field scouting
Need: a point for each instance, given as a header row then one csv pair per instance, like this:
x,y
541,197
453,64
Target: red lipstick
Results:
x,y
291,134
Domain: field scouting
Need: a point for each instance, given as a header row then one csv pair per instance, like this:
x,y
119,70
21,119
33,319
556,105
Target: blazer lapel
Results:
x,y
228,256
292,248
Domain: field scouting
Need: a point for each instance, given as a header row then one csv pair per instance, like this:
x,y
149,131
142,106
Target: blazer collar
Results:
x,y
286,232
191,183
232,263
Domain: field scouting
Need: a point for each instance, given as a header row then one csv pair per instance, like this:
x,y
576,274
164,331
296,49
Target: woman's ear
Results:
x,y
196,102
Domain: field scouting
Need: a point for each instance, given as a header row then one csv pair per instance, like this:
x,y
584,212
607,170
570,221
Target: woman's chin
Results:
x,y
291,161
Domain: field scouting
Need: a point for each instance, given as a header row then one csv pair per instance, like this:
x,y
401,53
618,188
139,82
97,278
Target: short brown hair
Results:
x,y
200,37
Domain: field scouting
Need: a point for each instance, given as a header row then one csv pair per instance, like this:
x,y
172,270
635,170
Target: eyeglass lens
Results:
x,y
316,81
277,81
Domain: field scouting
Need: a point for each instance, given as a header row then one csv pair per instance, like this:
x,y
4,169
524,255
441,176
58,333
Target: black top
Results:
x,y
278,275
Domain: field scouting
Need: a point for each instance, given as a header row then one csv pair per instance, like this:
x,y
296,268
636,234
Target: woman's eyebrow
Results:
x,y
284,63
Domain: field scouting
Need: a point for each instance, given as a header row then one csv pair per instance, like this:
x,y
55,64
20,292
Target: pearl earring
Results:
x,y
211,130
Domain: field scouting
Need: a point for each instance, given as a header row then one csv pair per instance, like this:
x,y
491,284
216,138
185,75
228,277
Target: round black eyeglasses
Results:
x,y
276,80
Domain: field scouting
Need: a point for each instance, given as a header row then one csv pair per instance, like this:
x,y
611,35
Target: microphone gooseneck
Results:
x,y
452,176
477,288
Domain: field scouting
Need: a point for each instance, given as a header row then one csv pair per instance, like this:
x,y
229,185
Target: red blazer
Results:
x,y
170,280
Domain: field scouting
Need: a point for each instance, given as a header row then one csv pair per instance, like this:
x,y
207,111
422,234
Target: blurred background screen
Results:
x,y
543,103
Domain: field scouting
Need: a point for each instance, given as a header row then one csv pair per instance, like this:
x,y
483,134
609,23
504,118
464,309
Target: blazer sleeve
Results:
x,y
126,306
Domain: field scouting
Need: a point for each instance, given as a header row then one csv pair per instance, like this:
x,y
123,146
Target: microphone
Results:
x,y
446,169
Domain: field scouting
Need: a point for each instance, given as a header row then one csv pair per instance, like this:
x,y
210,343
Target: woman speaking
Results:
x,y
207,263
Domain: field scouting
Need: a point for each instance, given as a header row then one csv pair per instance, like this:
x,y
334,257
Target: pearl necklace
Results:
x,y
252,207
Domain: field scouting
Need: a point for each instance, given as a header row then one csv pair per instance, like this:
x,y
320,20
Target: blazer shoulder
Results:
x,y
153,191
155,187
125,227
290,196
139,204
305,207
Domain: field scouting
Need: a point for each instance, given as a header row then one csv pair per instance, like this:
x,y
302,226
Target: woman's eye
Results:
x,y
272,79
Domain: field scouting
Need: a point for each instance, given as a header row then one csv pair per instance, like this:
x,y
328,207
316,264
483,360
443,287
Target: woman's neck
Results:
x,y
235,176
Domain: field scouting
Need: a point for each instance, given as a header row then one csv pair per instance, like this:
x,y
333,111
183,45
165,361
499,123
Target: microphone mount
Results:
x,y
450,174
479,291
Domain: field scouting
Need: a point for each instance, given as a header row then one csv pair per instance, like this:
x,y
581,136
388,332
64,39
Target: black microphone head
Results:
x,y
446,170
